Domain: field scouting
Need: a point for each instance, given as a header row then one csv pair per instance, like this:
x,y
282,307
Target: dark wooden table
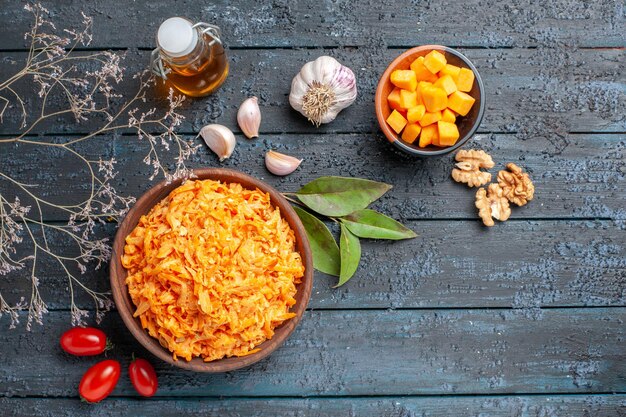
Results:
x,y
523,319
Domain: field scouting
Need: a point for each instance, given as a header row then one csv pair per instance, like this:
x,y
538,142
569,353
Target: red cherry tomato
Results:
x,y
84,341
143,377
99,381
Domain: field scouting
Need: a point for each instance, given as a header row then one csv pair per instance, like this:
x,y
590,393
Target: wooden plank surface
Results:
x,y
283,23
493,406
582,177
523,265
524,319
360,352
534,92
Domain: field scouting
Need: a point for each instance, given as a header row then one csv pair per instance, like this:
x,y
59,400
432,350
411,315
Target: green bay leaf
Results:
x,y
350,252
339,196
325,251
374,225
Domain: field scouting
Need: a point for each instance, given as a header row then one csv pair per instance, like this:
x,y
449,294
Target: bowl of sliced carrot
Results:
x,y
213,273
430,100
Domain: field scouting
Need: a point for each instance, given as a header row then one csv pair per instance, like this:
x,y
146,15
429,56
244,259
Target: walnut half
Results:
x,y
468,167
516,184
492,204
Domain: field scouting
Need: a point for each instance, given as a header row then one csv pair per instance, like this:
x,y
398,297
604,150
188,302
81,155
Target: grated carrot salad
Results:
x,y
212,270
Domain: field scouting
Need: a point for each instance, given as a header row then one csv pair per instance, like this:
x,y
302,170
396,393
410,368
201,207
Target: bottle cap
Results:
x,y
177,36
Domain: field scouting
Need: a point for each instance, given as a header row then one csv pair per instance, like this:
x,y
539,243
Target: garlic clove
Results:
x,y
281,164
249,117
219,139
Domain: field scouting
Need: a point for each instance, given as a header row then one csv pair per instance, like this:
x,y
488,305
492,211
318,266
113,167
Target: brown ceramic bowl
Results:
x,y
467,124
126,307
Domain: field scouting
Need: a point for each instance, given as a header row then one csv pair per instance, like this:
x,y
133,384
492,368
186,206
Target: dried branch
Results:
x,y
89,96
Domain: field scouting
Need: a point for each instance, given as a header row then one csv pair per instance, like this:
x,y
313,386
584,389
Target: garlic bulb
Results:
x,y
281,164
322,89
220,139
249,117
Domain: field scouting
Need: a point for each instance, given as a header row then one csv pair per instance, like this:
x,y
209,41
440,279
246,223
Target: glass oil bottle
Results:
x,y
190,57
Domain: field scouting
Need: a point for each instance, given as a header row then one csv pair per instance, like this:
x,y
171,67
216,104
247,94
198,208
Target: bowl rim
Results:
x,y
378,102
121,297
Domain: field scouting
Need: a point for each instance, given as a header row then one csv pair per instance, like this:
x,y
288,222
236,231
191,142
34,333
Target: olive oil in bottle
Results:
x,y
190,57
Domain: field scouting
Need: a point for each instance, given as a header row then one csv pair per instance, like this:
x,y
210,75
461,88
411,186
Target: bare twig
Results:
x,y
54,68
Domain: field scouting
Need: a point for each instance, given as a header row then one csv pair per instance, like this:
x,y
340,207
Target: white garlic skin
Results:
x,y
249,117
326,71
281,164
219,139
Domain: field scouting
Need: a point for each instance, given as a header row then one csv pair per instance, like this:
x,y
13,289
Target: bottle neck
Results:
x,y
199,51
